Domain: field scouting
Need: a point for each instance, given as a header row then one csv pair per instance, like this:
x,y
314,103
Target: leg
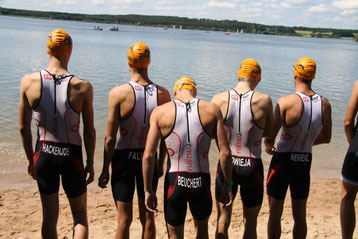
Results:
x,y
124,219
348,219
223,220
201,228
299,217
79,213
146,219
175,232
250,220
274,222
50,209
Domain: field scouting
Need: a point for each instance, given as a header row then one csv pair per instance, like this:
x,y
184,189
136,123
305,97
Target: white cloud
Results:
x,y
213,3
258,4
297,2
272,5
349,12
319,8
285,5
345,4
66,2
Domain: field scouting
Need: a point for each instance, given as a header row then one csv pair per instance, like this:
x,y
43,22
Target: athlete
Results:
x,y
58,99
305,118
248,117
130,106
350,168
187,124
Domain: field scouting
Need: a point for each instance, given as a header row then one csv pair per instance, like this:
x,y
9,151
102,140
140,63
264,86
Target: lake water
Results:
x,y
212,59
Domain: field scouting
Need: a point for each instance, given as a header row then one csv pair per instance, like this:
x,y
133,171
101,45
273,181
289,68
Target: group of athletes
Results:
x,y
151,127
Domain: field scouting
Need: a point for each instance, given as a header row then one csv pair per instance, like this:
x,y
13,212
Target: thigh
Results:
x,y
200,201
175,200
48,178
251,183
123,177
72,173
278,176
300,179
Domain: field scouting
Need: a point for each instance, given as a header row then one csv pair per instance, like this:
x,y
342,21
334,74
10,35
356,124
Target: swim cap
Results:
x,y
185,82
138,55
59,43
249,68
305,68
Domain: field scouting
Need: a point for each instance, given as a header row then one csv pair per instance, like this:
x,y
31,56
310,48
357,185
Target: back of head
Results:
x,y
185,82
250,69
305,68
138,55
59,43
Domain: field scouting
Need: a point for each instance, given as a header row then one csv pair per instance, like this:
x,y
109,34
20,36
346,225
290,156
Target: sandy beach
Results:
x,y
20,214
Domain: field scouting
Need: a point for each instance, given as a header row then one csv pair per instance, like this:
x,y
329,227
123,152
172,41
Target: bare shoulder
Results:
x,y
209,108
221,98
30,79
80,85
288,99
325,102
164,114
121,91
262,98
163,95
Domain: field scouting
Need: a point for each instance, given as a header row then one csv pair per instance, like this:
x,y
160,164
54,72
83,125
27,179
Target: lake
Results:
x,y
210,58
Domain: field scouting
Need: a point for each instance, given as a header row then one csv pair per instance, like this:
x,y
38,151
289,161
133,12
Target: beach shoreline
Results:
x,y
20,211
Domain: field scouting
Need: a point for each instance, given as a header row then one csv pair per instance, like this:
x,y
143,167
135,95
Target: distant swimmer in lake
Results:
x,y
350,168
248,117
305,118
129,108
187,125
58,99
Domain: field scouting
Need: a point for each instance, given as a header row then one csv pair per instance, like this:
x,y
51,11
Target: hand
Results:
x,y
103,179
270,150
151,201
227,197
31,169
89,170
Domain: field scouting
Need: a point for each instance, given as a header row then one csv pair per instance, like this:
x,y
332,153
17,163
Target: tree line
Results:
x,y
186,23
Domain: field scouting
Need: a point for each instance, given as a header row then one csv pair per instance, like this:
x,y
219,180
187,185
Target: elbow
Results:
x,y
23,131
348,123
225,154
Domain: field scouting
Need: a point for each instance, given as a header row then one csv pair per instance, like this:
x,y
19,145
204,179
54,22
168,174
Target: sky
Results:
x,y
341,14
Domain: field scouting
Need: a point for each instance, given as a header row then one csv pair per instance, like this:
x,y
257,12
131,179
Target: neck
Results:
x,y
303,86
140,76
57,66
244,86
184,95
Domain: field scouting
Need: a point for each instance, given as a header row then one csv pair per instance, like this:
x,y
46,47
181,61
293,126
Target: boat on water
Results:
x,y
227,33
97,28
115,28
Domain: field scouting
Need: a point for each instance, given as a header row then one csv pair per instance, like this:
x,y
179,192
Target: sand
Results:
x,y
21,215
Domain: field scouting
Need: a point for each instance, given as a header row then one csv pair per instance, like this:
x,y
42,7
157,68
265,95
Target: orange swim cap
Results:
x,y
59,43
138,55
249,68
185,82
305,68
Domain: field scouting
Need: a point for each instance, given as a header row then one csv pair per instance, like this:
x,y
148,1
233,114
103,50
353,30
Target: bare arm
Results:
x,y
277,124
25,116
225,156
326,132
351,113
269,129
89,132
164,97
151,146
110,140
